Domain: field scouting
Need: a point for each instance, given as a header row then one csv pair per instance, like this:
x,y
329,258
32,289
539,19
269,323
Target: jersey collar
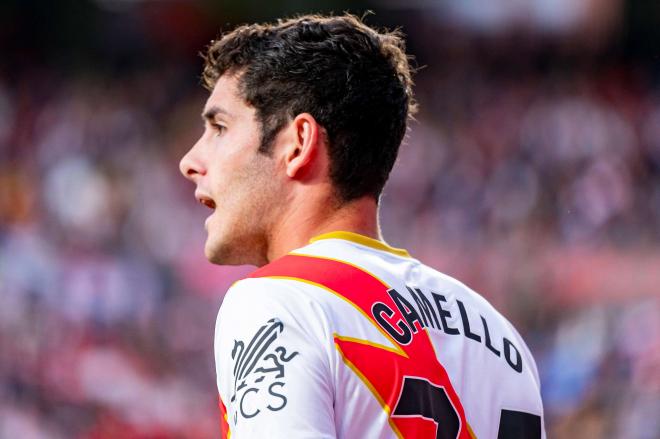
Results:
x,y
362,240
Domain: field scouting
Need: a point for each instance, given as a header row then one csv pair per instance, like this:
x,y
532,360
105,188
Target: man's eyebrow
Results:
x,y
210,113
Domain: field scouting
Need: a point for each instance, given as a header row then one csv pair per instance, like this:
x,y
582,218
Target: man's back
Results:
x,y
348,337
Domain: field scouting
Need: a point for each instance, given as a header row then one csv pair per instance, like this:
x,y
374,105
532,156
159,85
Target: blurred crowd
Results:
x,y
540,188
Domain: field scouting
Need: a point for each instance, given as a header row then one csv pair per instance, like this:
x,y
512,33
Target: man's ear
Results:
x,y
305,146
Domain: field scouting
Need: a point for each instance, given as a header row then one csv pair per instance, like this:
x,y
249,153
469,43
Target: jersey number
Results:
x,y
421,398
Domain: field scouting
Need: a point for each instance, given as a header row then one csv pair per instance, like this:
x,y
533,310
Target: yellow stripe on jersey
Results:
x,y
368,343
362,240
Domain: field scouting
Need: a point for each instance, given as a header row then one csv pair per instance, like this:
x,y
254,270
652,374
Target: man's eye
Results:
x,y
219,129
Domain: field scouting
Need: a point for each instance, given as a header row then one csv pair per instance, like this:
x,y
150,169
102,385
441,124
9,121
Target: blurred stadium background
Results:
x,y
532,173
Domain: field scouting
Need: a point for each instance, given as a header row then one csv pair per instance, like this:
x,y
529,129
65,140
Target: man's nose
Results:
x,y
190,165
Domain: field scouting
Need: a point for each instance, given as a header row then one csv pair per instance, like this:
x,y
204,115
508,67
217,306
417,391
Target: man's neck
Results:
x,y
306,220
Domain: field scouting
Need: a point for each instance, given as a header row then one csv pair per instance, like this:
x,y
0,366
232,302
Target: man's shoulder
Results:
x,y
276,289
254,305
258,292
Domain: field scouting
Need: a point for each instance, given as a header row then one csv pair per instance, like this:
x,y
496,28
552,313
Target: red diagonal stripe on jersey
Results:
x,y
384,369
224,425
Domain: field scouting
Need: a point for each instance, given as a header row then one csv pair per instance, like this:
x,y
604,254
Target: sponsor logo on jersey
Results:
x,y
259,372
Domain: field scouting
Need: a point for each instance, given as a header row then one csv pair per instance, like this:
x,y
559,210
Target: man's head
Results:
x,y
333,78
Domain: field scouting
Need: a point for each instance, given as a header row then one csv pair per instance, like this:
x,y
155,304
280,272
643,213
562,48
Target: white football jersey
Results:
x,y
348,337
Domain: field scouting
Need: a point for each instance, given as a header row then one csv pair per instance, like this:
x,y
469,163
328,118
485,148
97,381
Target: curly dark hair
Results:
x,y
354,80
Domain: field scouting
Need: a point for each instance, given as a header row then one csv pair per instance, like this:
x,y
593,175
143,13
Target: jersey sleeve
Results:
x,y
272,362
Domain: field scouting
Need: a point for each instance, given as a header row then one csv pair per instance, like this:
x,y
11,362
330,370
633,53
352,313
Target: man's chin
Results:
x,y
235,253
215,256
223,254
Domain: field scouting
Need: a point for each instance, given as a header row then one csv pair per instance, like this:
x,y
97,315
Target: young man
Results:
x,y
337,334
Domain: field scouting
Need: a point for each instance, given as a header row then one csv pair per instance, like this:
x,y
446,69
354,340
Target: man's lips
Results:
x,y
204,199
